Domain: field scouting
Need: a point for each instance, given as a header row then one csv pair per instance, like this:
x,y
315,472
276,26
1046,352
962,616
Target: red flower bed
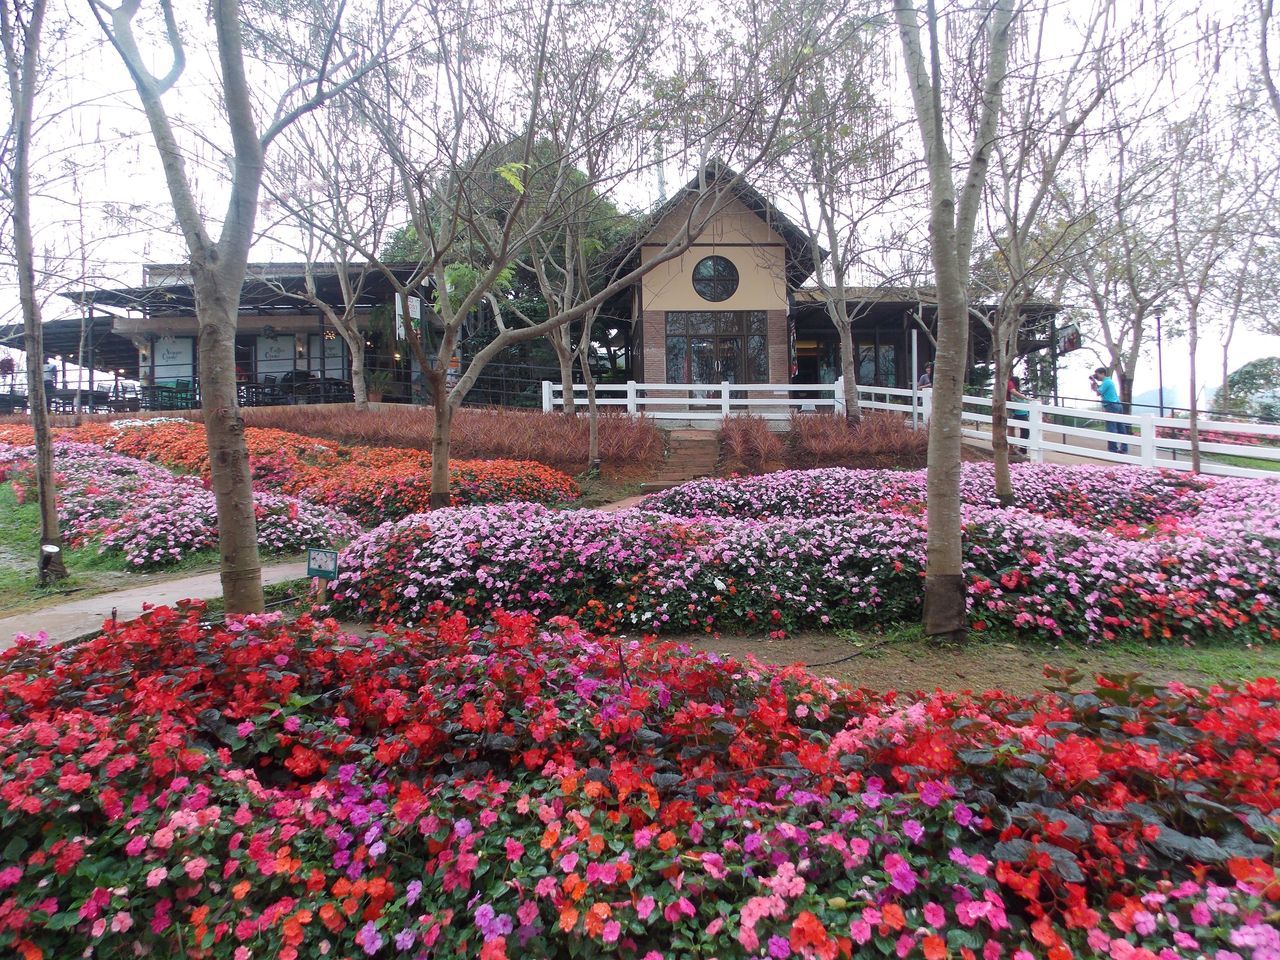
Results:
x,y
283,790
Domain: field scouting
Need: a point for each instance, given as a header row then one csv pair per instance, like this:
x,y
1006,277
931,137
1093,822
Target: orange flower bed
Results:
x,y
371,484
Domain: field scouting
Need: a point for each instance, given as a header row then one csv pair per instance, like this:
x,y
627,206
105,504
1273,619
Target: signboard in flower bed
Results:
x,y
322,563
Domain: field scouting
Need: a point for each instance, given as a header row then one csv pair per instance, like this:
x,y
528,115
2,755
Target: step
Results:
x,y
657,486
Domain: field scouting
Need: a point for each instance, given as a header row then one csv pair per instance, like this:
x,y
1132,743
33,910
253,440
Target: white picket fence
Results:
x,y
1152,441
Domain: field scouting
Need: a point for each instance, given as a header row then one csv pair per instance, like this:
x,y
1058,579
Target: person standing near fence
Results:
x,y
1105,387
50,382
1013,394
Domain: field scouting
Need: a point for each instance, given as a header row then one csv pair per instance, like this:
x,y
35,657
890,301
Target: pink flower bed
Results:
x,y
153,518
1089,555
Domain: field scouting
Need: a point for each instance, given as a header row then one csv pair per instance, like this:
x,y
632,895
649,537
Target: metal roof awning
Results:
x,y
265,294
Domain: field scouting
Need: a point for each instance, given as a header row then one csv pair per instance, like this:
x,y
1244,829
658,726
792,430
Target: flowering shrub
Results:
x,y
268,789
847,548
1091,496
627,443
369,484
372,491
156,519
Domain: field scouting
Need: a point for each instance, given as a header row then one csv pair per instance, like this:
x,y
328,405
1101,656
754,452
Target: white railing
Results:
x,y
1059,433
689,402
1144,439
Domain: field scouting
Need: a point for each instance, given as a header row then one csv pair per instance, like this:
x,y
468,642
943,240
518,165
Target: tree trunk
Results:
x,y
23,78
593,416
849,372
565,356
241,569
1193,335
440,437
945,614
1000,412
354,340
49,564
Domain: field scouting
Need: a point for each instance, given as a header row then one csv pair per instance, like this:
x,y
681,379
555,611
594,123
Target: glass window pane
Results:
x,y
728,323
702,322
702,360
757,359
731,359
887,374
758,323
677,359
715,278
866,364
677,322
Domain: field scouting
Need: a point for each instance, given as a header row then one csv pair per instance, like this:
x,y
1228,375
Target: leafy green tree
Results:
x,y
1254,388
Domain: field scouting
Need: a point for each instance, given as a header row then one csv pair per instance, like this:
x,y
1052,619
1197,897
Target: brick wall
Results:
x,y
653,347
779,347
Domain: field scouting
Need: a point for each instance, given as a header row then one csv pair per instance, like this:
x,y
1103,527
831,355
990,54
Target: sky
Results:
x,y
115,200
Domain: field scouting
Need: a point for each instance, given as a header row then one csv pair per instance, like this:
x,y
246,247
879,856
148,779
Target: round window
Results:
x,y
715,278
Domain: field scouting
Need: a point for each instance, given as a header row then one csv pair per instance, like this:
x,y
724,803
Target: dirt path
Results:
x,y
66,621
915,665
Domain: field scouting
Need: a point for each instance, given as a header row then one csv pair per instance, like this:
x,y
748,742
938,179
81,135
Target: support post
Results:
x,y
1035,431
724,399
915,379
631,396
547,405
1147,439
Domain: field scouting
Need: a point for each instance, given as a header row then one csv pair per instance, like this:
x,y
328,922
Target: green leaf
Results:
x,y
510,172
14,849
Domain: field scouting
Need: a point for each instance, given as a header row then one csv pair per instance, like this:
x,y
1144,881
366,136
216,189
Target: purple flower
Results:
x,y
405,939
901,876
413,891
492,925
369,939
779,948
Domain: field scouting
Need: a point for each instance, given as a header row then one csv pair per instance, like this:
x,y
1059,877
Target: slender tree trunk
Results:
x,y
241,570
354,340
23,78
849,372
945,614
1223,400
565,356
440,437
1193,336
1000,330
84,321
593,415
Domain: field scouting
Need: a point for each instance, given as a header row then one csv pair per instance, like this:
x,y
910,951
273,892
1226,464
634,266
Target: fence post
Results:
x,y
926,404
631,396
546,396
724,399
1148,440
837,397
1035,431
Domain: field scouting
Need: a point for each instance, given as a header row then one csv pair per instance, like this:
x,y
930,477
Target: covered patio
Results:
x,y
136,348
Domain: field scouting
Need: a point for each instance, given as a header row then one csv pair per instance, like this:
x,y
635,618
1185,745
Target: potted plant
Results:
x,y
376,383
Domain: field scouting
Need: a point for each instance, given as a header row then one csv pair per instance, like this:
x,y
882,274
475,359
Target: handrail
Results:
x,y
1037,428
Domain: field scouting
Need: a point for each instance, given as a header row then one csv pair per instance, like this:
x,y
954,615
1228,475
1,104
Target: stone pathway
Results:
x,y
68,621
